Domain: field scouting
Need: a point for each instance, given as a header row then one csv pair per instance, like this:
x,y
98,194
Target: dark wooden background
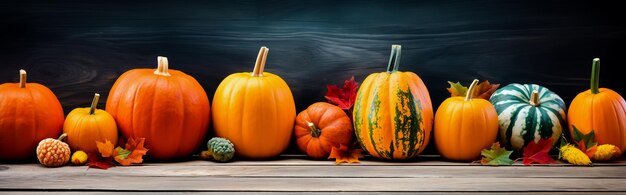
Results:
x,y
80,47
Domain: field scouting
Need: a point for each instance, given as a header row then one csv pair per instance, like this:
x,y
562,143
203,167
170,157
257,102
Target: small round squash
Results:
x,y
321,127
465,126
528,113
53,152
85,126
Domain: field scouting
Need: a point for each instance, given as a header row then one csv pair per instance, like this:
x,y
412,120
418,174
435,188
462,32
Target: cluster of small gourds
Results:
x,y
392,116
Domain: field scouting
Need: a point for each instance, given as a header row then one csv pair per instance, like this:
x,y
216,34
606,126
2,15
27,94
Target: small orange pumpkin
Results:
x,y
167,107
255,111
29,113
600,109
465,126
85,126
320,127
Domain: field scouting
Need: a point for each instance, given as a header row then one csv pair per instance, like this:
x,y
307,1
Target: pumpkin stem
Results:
x,y
394,58
259,66
62,137
94,104
315,132
22,78
470,91
162,67
534,98
595,76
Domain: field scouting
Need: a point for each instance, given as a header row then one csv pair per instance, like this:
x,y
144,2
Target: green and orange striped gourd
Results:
x,y
393,114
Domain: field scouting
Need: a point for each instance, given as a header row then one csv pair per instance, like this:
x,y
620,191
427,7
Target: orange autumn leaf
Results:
x,y
456,89
105,159
106,148
485,89
344,155
133,152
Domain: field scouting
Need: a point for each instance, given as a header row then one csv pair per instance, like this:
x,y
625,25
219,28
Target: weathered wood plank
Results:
x,y
301,160
203,176
301,193
130,183
272,193
35,171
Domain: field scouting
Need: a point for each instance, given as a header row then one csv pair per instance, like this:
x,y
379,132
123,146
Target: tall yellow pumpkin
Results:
x,y
255,111
393,114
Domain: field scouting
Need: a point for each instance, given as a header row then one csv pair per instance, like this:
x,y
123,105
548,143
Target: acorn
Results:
x,y
53,152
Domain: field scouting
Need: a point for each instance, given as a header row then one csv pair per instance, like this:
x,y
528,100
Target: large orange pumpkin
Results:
x,y
600,109
465,126
255,111
393,113
321,127
85,126
167,107
29,113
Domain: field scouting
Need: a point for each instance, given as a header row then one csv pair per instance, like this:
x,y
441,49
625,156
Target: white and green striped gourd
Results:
x,y
528,112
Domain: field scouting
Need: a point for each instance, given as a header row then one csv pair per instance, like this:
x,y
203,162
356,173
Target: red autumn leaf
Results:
x,y
588,151
97,161
132,154
103,159
538,152
345,155
586,142
343,97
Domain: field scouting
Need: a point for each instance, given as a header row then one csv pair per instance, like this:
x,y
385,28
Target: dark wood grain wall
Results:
x,y
80,47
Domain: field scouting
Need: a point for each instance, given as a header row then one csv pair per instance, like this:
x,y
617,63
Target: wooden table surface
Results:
x,y
290,174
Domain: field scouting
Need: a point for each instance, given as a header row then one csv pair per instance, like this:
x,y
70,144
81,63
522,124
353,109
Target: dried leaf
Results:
x,y
496,156
104,158
343,97
456,89
586,142
132,154
538,152
485,89
97,161
106,148
345,155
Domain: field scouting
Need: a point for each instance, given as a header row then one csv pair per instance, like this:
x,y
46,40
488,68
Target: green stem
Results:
x,y
595,76
315,132
94,104
22,78
259,66
162,67
470,91
394,58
